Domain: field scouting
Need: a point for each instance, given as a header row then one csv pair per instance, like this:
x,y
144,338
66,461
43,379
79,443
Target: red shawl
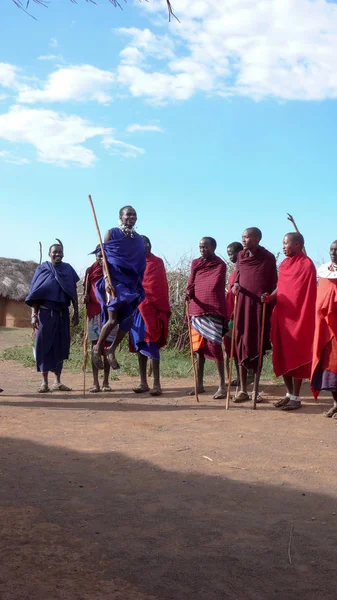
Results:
x,y
256,275
92,275
326,327
155,309
207,287
293,319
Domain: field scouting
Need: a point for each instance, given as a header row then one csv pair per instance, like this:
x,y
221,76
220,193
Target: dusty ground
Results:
x,y
125,498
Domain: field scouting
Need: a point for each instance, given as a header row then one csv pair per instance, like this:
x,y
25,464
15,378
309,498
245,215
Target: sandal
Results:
x,y
43,389
292,405
241,397
140,389
155,392
220,395
282,402
94,390
60,387
106,388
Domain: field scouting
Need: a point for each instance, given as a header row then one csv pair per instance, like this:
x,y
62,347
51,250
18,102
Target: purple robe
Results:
x,y
127,261
53,287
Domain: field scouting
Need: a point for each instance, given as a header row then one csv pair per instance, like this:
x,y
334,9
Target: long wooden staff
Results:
x,y
85,336
258,375
232,354
292,220
192,354
106,267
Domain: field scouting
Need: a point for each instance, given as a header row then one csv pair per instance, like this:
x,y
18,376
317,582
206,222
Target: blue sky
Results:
x,y
223,121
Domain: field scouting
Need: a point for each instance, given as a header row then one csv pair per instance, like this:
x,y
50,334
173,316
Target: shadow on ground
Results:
x,y
89,526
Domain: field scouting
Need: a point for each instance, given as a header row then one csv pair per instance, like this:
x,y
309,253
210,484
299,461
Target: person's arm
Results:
x,y
107,236
266,298
35,316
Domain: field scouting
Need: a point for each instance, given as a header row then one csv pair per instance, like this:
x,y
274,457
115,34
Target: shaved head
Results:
x,y
296,238
255,232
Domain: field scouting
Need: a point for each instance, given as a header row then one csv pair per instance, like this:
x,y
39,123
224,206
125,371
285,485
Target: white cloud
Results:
x,y
77,83
58,139
135,128
9,157
285,49
118,147
8,75
51,57
53,43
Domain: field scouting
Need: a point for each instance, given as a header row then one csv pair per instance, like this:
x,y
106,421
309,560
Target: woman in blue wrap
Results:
x,y
125,254
52,290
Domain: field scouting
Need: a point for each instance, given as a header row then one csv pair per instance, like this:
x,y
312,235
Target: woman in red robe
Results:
x,y
324,364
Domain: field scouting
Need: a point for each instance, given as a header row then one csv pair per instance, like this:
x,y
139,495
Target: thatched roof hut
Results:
x,y
15,278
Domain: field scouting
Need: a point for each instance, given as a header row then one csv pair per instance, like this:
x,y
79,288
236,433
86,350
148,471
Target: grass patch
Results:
x,y
174,363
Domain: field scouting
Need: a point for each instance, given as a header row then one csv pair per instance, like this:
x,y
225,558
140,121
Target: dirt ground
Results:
x,y
121,497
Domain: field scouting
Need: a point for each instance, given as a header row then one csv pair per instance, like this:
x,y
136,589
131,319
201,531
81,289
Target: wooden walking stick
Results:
x,y
106,267
85,336
85,347
192,353
258,375
232,354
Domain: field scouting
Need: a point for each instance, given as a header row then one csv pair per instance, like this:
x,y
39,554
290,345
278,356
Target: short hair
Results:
x,y
256,232
236,246
297,237
211,240
58,243
121,210
147,240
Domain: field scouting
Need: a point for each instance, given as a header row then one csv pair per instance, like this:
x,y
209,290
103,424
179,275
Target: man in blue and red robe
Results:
x,y
125,254
52,290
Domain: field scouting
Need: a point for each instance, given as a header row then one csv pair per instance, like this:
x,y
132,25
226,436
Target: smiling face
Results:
x,y
333,252
128,217
56,254
206,248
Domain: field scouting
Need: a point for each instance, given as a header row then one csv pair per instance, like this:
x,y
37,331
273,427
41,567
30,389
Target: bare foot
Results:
x,y
141,389
96,358
43,389
110,356
330,413
201,390
95,389
156,391
220,394
60,387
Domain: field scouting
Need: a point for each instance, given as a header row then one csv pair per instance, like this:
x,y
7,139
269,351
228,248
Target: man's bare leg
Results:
x,y
333,411
57,385
44,387
97,349
142,363
156,390
200,374
220,394
106,387
96,387
110,351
